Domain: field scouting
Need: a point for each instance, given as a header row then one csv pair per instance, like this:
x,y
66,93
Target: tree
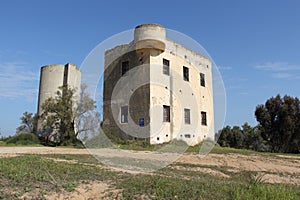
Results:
x,y
58,114
28,123
246,137
279,123
224,136
65,114
237,137
86,118
253,139
231,137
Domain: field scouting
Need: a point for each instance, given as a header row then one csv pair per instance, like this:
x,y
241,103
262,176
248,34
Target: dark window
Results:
x,y
185,73
124,114
166,114
203,118
166,67
202,79
187,117
187,136
125,67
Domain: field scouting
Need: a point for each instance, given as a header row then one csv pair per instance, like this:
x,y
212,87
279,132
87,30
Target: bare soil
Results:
x,y
272,168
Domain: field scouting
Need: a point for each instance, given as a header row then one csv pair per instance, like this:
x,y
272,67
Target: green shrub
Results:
x,y
2,143
23,139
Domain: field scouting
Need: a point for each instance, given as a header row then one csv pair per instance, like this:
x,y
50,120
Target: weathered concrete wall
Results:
x,y
51,77
54,76
148,49
180,94
151,36
74,79
123,86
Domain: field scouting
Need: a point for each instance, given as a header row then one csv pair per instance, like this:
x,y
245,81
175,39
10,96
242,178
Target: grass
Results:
x,y
28,172
3,144
41,175
178,146
83,159
200,186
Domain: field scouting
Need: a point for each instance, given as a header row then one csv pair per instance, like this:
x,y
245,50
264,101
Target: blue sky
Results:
x,y
255,43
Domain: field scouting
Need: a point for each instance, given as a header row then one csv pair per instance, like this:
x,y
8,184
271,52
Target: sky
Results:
x,y
255,44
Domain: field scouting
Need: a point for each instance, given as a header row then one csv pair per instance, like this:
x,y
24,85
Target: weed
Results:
x,y
38,172
70,186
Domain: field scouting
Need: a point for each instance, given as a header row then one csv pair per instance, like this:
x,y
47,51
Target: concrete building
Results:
x,y
54,76
157,90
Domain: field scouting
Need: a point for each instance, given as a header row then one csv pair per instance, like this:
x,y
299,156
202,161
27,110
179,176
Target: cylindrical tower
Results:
x,y
54,76
150,36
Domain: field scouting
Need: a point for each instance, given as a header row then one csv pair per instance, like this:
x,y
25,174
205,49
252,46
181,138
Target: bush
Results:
x,y
2,143
73,142
23,139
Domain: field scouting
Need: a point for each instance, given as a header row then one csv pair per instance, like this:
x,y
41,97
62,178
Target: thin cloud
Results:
x,y
224,68
18,81
244,93
280,70
282,75
277,66
8,54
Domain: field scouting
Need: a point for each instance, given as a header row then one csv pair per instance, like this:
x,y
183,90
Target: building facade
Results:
x,y
157,90
54,76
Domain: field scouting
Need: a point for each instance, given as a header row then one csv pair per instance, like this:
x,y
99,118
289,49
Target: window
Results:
x,y
203,118
166,113
185,73
124,114
202,79
166,67
187,136
125,67
187,117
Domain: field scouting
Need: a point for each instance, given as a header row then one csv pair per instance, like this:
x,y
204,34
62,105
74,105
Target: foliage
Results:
x,y
279,123
246,137
23,139
28,123
278,129
2,143
69,115
86,118
58,114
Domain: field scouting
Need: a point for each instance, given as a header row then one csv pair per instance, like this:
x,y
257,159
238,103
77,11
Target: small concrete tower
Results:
x,y
54,76
151,36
